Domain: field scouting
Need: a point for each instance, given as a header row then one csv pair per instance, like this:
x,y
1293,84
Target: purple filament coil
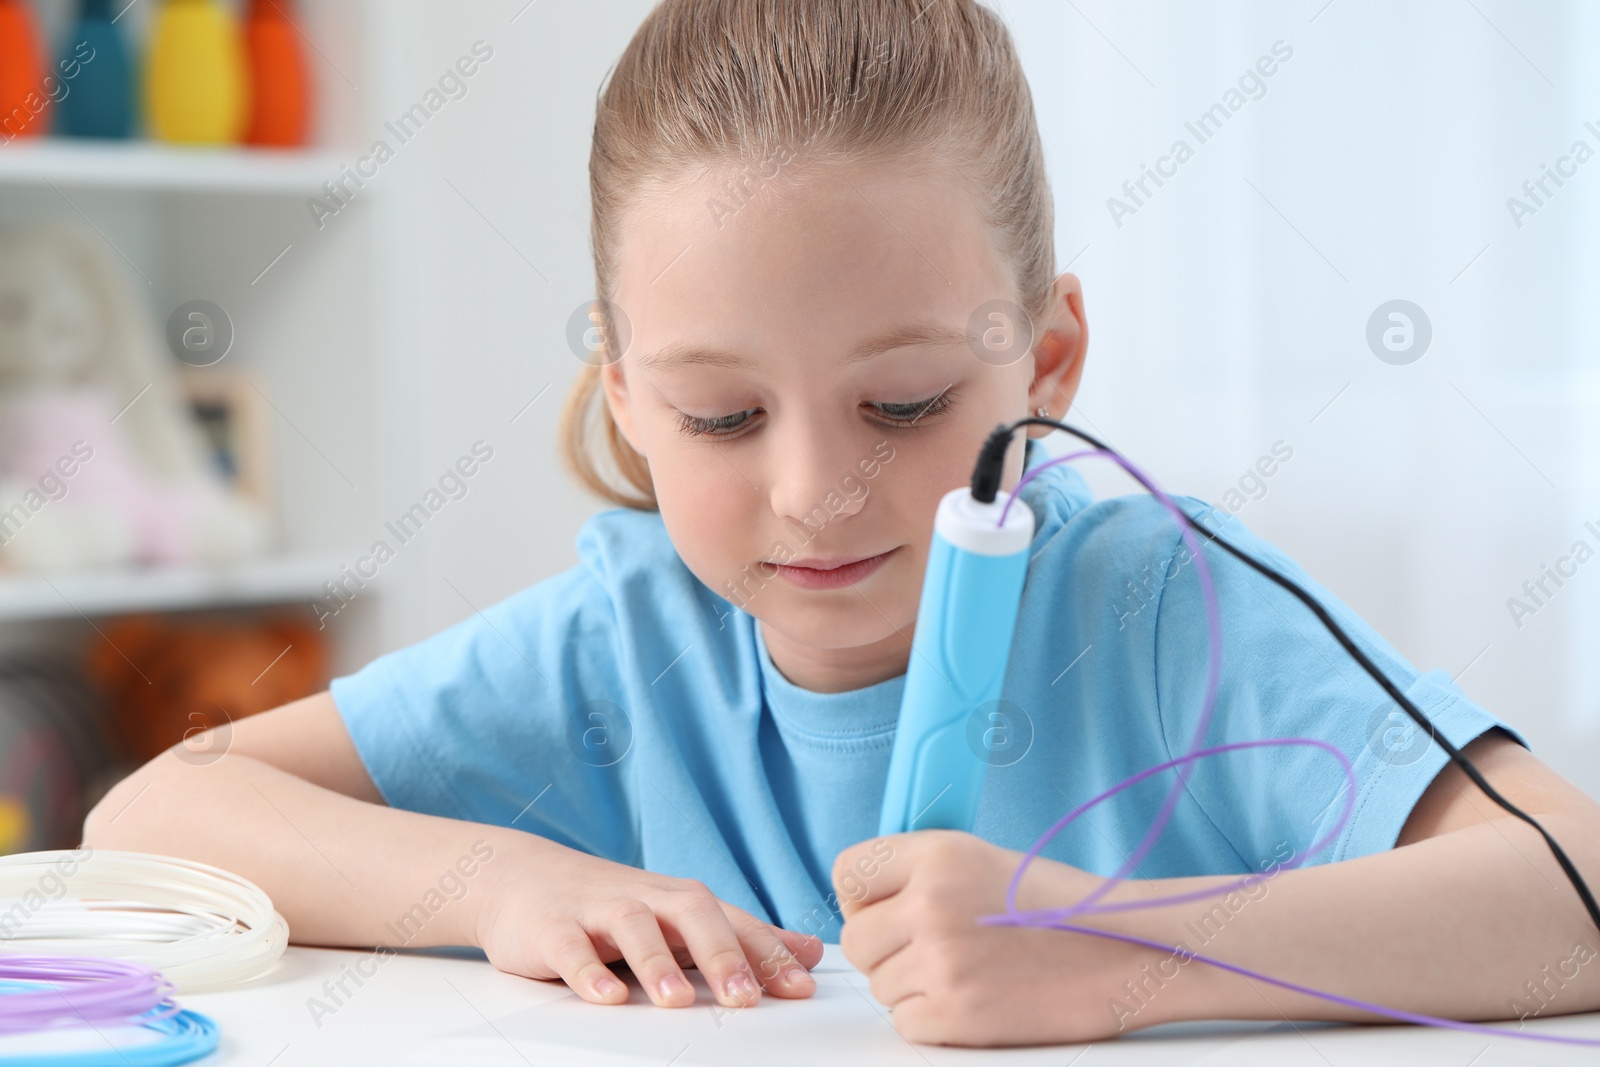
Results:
x,y
41,992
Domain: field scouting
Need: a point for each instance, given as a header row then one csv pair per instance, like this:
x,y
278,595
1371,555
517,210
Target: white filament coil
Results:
x,y
203,927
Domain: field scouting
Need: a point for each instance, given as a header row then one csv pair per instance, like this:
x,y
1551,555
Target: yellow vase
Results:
x,y
195,87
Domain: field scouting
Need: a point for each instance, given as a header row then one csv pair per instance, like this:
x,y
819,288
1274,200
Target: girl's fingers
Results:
x,y
695,918
777,968
868,945
807,948
901,974
634,929
569,952
738,953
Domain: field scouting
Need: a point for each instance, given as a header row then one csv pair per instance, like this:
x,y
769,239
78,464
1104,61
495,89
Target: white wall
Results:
x,y
1226,313
1232,307
489,205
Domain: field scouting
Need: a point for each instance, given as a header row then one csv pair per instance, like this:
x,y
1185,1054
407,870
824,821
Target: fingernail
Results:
x,y
796,975
608,987
741,987
670,986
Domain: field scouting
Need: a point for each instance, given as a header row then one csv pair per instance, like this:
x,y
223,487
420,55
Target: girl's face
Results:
x,y
807,375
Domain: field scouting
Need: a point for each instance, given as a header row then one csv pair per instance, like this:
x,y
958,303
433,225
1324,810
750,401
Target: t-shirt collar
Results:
x,y
870,711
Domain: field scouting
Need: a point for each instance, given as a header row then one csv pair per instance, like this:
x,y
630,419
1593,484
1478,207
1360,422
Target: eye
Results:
x,y
720,426
907,414
911,413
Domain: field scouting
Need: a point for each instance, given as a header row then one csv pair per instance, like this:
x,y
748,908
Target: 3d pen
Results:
x,y
970,594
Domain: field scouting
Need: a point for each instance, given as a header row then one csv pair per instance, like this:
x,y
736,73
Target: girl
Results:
x,y
822,236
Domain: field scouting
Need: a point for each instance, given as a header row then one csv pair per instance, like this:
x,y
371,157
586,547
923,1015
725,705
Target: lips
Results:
x,y
835,572
825,564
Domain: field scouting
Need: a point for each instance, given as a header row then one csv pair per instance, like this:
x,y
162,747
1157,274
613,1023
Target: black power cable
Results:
x,y
986,478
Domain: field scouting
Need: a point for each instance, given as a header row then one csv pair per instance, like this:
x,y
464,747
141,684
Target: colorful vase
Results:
x,y
280,90
25,101
195,87
97,72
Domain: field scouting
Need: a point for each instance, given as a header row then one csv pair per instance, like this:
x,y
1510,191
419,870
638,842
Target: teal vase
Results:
x,y
96,72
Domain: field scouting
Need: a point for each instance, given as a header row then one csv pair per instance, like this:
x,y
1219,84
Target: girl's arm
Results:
x,y
1469,917
289,805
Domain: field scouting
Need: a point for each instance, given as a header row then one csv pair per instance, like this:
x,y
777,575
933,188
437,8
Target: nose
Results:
x,y
813,470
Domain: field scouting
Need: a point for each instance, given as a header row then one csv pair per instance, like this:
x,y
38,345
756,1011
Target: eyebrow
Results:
x,y
679,354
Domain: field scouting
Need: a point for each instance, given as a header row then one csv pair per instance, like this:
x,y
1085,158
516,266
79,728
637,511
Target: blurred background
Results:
x,y
275,276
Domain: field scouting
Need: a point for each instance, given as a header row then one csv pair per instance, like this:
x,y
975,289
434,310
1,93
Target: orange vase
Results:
x,y
24,96
280,91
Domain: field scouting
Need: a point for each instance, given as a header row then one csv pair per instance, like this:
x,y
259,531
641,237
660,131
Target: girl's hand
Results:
x,y
910,904
554,912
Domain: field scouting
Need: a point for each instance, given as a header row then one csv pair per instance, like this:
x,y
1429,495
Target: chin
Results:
x,y
837,619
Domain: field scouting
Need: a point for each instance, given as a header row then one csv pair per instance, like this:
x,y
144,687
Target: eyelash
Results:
x,y
725,426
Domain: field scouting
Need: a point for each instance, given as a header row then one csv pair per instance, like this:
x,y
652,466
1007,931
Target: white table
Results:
x,y
446,1007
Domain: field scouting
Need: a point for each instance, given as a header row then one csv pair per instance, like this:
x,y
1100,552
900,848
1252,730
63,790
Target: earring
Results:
x,y
1043,412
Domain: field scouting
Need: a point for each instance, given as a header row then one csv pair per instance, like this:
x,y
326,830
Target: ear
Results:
x,y
615,384
1059,354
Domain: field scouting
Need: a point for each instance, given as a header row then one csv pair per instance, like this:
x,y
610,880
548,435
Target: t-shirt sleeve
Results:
x,y
512,717
1283,675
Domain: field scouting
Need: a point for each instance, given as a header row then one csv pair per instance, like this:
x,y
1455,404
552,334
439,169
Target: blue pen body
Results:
x,y
965,622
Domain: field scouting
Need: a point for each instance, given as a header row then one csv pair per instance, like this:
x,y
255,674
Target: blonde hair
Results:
x,y
749,83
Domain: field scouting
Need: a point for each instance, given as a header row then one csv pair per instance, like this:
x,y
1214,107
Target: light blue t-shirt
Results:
x,y
623,708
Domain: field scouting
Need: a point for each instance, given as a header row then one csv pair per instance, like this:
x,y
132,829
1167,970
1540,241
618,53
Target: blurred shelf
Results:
x,y
145,165
28,597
